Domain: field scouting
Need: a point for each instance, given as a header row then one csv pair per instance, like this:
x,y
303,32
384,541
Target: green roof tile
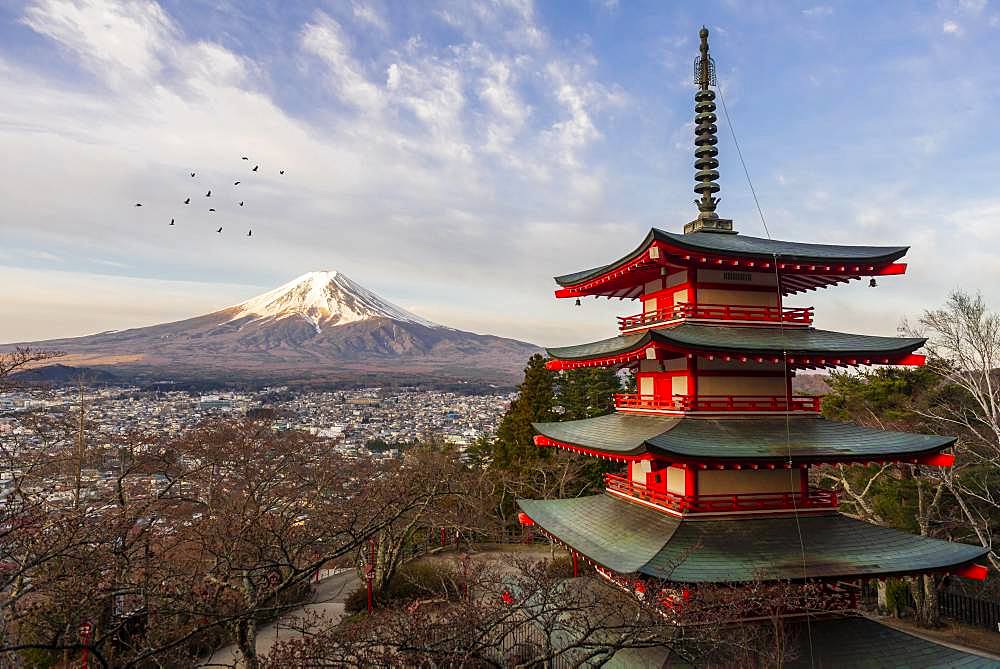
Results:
x,y
806,439
749,247
625,545
630,538
750,340
858,643
861,643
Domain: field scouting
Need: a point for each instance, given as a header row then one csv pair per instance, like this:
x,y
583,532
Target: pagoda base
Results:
x,y
710,223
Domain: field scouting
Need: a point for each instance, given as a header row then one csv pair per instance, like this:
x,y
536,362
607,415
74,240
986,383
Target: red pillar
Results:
x,y
692,371
576,569
370,573
690,484
692,277
85,630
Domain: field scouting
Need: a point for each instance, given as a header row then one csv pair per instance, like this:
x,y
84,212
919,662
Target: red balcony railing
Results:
x,y
817,498
717,403
722,312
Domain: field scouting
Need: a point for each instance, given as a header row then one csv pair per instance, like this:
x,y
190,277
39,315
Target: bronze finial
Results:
x,y
706,155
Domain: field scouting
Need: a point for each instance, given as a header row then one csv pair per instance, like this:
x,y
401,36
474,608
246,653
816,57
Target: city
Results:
x,y
350,420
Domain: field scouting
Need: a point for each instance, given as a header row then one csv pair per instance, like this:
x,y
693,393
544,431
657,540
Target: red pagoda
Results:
x,y
716,447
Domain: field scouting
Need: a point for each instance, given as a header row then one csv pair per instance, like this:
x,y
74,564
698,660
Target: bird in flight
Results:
x,y
241,203
255,168
171,221
210,209
236,183
208,194
187,201
249,233
220,229
281,171
138,204
245,158
192,174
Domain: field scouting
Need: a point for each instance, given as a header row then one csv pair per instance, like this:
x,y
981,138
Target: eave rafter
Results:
x,y
660,351
625,280
933,459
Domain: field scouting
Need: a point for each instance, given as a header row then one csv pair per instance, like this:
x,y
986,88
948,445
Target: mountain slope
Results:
x,y
319,328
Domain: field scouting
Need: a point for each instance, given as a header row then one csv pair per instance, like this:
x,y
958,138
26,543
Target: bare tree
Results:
x,y
964,347
518,613
19,359
194,542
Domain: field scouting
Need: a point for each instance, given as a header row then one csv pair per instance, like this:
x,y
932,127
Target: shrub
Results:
x,y
415,580
357,601
562,567
897,596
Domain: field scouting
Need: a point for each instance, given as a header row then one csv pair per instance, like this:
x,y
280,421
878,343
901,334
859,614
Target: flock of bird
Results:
x,y
187,201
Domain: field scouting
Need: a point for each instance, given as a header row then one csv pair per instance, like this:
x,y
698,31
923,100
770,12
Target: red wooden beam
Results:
x,y
542,440
892,269
976,572
912,360
937,459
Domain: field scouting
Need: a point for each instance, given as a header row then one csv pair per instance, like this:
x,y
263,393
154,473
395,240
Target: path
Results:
x,y
327,602
333,589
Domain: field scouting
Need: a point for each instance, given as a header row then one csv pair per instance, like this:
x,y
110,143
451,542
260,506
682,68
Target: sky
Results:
x,y
453,156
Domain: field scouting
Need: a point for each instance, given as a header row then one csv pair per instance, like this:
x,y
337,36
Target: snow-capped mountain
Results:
x,y
320,327
324,299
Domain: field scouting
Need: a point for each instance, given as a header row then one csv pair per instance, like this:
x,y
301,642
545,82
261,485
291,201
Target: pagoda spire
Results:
x,y
706,154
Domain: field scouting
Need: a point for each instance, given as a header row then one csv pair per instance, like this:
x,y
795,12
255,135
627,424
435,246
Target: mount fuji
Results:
x,y
320,329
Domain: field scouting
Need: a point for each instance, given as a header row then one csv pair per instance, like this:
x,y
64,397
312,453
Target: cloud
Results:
x,y
324,38
120,42
366,13
950,27
818,11
409,163
580,98
971,7
43,255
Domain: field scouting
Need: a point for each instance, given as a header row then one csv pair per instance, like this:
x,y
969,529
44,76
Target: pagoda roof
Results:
x,y
633,539
804,439
742,246
856,642
866,644
801,266
768,340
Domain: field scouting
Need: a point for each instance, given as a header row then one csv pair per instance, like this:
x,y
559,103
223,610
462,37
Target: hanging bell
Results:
x,y
872,282
578,299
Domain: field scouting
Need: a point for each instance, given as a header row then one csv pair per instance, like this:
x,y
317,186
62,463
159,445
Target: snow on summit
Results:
x,y
324,298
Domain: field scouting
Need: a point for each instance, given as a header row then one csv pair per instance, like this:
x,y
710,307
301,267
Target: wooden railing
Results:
x,y
763,501
722,312
718,403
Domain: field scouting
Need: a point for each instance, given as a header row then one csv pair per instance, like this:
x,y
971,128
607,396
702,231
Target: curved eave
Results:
x,y
743,246
802,266
632,539
805,347
740,442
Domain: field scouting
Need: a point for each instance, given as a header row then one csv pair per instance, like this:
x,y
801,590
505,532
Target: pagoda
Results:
x,y
716,447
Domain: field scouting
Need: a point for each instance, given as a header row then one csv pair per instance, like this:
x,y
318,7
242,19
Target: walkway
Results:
x,y
327,603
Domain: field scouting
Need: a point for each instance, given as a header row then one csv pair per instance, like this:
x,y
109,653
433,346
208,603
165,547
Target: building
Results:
x,y
715,448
